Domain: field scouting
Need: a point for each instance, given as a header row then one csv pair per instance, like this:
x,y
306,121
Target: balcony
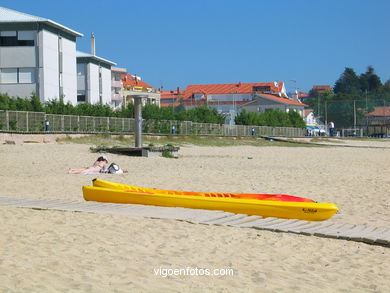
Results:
x,y
116,97
116,83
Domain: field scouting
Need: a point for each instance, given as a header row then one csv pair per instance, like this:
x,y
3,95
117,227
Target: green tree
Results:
x,y
275,118
4,102
369,81
348,83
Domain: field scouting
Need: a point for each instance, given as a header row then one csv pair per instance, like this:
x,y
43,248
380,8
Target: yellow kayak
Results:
x,y
130,188
120,193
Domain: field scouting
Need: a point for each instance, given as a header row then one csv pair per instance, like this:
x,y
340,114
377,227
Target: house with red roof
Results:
x,y
321,88
380,115
171,98
299,96
234,97
378,121
133,85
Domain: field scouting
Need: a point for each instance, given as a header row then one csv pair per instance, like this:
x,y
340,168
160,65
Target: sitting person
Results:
x,y
99,166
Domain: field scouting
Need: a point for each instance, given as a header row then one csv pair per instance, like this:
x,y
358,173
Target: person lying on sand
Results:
x,y
99,166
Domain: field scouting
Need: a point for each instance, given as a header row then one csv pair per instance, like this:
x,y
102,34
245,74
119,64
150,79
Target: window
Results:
x,y
80,69
9,75
168,101
26,75
81,96
17,38
26,38
8,38
265,88
17,75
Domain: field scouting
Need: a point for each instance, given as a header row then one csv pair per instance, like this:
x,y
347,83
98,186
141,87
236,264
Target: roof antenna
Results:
x,y
93,49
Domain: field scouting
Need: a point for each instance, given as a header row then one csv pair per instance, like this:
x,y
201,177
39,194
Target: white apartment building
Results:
x,y
37,55
117,96
93,79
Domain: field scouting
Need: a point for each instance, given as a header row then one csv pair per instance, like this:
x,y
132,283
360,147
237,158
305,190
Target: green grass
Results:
x,y
121,141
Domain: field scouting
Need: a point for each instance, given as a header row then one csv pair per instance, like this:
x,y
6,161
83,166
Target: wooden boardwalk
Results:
x,y
360,233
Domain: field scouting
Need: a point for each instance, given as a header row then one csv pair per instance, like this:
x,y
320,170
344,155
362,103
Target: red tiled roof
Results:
x,y
307,112
236,88
171,94
323,87
209,103
379,112
130,80
283,100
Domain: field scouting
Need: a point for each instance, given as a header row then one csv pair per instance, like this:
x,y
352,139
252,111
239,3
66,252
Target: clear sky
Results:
x,y
177,42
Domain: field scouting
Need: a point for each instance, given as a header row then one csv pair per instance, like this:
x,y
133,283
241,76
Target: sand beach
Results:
x,y
54,251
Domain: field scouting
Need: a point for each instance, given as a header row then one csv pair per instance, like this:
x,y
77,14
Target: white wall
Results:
x,y
49,68
93,82
49,64
230,97
106,85
69,73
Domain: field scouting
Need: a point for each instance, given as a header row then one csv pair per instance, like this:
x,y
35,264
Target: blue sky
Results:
x,y
176,43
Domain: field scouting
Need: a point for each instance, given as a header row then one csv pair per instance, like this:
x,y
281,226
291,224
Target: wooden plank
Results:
x,y
350,233
358,236
302,228
373,236
52,204
227,219
204,219
244,220
9,200
70,206
384,241
271,224
284,226
21,201
34,203
221,216
314,228
334,231
256,222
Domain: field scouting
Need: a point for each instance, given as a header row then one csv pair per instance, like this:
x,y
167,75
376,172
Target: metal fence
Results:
x,y
34,122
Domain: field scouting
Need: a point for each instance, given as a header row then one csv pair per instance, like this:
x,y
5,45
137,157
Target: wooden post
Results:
x,y
27,121
7,120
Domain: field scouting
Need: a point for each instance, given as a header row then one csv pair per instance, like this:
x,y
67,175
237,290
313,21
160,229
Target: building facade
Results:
x,y
37,56
230,99
133,85
171,98
117,96
93,79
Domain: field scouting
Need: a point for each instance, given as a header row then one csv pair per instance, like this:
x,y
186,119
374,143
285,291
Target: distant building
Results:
x,y
378,121
117,96
37,55
380,115
133,85
229,99
320,89
299,96
93,79
171,98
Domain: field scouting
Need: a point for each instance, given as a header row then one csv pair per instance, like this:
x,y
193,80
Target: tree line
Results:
x,y
275,118
353,96
200,114
149,111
